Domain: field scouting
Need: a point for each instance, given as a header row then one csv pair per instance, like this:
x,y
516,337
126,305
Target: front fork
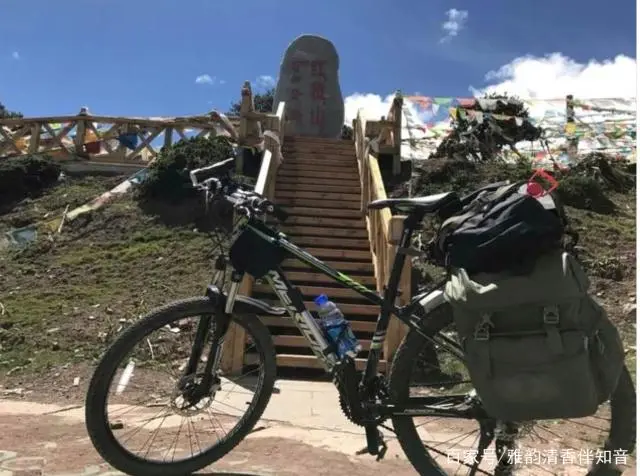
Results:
x,y
222,322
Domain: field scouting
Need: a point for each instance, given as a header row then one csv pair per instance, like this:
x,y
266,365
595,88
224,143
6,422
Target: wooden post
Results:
x,y
81,131
235,340
249,130
572,140
397,330
397,133
34,143
168,137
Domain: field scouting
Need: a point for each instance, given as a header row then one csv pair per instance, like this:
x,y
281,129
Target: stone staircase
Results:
x,y
319,186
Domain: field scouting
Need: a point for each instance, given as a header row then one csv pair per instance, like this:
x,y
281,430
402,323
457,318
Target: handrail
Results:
x,y
25,135
383,228
271,143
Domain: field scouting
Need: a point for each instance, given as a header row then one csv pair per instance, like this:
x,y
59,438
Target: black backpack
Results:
x,y
497,228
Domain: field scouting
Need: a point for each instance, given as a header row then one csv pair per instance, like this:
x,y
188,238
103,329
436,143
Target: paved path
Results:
x,y
302,432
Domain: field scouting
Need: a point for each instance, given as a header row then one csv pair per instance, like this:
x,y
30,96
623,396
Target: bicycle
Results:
x,y
367,398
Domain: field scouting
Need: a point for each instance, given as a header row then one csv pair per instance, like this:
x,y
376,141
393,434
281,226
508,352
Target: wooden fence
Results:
x,y
384,229
109,139
251,128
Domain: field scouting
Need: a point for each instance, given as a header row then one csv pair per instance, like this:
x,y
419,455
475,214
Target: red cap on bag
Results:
x,y
535,189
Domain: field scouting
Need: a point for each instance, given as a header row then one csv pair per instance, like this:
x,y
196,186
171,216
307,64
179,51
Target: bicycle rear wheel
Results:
x,y
585,446
124,419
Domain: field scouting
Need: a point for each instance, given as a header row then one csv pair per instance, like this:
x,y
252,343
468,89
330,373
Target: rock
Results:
x,y
14,370
308,83
629,309
13,391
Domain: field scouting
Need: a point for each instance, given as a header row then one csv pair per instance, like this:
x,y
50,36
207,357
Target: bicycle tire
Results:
x,y
623,400
95,411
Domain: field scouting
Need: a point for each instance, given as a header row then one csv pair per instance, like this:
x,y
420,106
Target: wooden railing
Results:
x,y
20,136
52,135
271,142
387,133
384,229
71,137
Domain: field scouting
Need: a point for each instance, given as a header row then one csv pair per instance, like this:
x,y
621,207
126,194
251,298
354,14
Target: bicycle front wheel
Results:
x,y
601,444
139,413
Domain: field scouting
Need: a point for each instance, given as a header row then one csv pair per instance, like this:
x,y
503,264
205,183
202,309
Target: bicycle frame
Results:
x,y
292,298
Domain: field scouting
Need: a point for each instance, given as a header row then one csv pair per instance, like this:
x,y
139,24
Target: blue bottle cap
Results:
x,y
322,299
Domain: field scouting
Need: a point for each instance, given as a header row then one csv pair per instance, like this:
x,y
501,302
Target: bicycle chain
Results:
x,y
347,403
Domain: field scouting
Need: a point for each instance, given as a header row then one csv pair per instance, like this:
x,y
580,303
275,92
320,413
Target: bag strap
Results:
x,y
551,319
482,334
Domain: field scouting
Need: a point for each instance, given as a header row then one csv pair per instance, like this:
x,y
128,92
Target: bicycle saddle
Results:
x,y
427,204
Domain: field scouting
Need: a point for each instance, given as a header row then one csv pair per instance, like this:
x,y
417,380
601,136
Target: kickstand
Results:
x,y
375,444
486,437
383,446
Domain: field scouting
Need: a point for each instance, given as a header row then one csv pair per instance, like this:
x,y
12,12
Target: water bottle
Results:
x,y
337,328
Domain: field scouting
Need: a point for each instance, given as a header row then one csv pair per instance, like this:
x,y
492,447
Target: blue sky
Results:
x,y
142,57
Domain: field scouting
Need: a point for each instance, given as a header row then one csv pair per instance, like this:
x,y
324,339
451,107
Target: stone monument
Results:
x,y
308,83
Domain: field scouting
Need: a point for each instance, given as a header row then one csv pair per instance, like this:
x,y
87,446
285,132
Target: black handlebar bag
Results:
x,y
255,251
498,229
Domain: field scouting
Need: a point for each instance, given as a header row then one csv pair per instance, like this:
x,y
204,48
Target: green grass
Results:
x,y
110,266
104,271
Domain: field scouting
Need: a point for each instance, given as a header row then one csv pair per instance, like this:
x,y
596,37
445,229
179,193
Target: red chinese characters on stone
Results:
x,y
317,116
295,94
317,91
295,68
317,68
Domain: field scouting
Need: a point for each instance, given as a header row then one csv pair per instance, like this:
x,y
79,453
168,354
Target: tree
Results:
x,y
5,113
347,132
263,102
479,132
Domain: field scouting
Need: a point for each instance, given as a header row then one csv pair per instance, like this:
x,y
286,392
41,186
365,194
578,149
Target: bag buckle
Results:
x,y
551,316
482,330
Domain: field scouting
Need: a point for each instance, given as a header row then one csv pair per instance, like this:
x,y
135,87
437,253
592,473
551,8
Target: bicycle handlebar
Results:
x,y
210,179
212,171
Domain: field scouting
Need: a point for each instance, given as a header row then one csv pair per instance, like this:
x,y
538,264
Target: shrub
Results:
x,y
168,178
26,176
584,192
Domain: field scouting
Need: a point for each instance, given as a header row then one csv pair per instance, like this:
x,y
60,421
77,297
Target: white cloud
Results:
x,y
373,106
609,84
456,20
205,79
265,81
555,75
550,77
15,55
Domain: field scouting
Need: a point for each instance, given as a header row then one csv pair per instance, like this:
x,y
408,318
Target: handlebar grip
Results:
x,y
212,171
279,213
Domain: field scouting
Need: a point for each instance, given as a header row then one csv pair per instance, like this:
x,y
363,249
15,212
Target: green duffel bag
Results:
x,y
536,345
